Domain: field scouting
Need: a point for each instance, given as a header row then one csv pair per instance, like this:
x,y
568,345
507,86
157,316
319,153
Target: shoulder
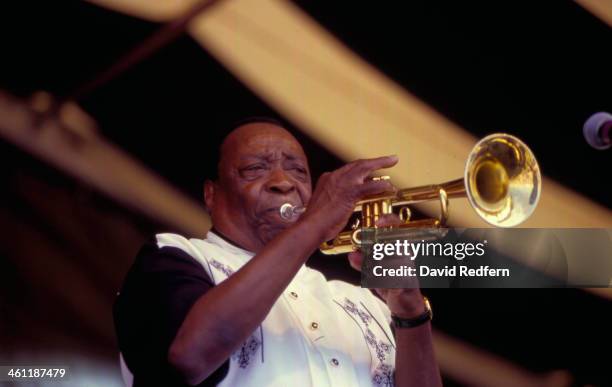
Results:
x,y
163,277
162,259
160,288
168,251
170,241
152,255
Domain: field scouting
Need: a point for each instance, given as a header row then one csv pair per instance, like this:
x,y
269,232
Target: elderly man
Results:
x,y
241,308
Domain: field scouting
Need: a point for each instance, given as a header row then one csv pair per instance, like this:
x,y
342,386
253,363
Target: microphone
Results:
x,y
597,130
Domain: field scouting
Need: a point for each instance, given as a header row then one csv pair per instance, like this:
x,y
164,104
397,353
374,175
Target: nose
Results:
x,y
280,183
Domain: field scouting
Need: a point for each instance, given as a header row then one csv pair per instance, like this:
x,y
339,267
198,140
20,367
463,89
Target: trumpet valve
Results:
x,y
405,214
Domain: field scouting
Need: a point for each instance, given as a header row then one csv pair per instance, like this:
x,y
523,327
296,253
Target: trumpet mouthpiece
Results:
x,y
287,211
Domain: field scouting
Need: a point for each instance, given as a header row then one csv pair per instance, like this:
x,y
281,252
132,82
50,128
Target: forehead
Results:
x,y
260,140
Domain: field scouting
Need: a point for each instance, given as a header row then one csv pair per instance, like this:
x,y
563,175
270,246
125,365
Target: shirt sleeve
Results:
x,y
159,290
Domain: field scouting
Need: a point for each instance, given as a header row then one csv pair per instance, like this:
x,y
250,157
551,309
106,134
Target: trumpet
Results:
x,y
502,182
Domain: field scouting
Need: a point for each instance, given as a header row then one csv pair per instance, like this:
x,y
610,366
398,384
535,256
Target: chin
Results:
x,y
270,231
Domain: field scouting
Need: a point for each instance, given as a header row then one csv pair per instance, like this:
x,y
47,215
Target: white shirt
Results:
x,y
318,333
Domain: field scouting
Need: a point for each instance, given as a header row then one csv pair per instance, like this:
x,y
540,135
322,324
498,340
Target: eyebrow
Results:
x,y
288,156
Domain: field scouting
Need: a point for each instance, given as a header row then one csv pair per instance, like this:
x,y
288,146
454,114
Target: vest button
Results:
x,y
314,325
334,362
293,295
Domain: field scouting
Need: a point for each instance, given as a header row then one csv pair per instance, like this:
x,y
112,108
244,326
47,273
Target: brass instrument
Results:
x,y
501,180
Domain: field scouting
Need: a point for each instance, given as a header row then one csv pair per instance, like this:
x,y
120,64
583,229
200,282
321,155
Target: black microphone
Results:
x,y
597,130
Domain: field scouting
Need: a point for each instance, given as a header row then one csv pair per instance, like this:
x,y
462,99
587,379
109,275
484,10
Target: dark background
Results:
x,y
533,69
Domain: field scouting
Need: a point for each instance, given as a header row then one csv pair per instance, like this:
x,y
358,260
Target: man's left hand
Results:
x,y
404,303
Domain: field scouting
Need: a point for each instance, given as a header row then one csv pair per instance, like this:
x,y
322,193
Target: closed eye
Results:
x,y
253,171
299,169
299,172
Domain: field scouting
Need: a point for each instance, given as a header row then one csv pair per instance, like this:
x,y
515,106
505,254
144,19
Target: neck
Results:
x,y
227,238
238,239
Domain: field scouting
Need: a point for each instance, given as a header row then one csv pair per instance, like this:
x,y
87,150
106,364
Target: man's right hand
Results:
x,y
337,192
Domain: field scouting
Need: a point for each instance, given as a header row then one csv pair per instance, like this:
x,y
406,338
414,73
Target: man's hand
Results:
x,y
405,303
337,192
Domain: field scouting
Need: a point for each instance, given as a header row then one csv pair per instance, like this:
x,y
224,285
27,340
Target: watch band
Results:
x,y
421,319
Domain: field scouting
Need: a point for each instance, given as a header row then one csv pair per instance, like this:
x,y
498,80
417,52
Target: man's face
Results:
x,y
262,167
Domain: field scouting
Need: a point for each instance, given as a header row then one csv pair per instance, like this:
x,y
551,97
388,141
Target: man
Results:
x,y
240,308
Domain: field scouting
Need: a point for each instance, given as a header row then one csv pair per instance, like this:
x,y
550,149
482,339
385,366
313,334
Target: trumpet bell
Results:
x,y
502,180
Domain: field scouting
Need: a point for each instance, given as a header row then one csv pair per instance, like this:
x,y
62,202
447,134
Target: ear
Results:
x,y
209,194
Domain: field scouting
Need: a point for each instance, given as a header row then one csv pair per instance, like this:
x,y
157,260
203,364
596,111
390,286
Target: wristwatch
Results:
x,y
421,319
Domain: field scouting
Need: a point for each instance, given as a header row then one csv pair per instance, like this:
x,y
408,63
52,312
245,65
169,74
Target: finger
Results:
x,y
323,178
389,220
355,259
363,168
374,187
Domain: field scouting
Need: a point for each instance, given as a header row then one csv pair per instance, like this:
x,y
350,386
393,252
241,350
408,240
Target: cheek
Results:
x,y
305,192
249,195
